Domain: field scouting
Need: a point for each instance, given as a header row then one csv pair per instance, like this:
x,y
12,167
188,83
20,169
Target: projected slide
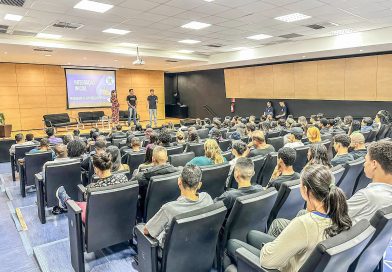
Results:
x,y
89,88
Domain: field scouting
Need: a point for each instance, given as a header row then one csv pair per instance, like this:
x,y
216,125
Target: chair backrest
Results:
x,y
362,182
111,215
374,251
382,132
203,133
366,135
67,174
175,150
214,179
20,151
337,253
57,118
225,145
181,159
161,189
249,212
117,141
301,158
198,149
227,155
338,172
372,136
33,165
272,134
288,202
134,160
276,142
258,162
349,178
268,168
326,136
193,236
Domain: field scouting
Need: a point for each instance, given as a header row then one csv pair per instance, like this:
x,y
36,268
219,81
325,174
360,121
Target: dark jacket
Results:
x,y
144,177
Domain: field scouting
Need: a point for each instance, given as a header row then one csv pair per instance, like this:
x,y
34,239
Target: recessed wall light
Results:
x,y
48,36
48,55
196,25
303,57
13,17
189,41
360,50
259,37
342,31
184,51
116,31
127,44
93,6
5,53
115,60
293,17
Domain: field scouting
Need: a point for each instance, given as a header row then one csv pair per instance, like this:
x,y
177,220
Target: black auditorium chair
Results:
x,y
20,152
288,202
272,134
181,159
350,175
227,155
333,254
258,162
326,136
276,142
372,136
225,145
362,182
203,133
174,150
182,251
118,141
214,179
371,257
337,172
110,218
366,135
243,218
134,160
198,149
32,165
382,132
161,189
67,174
268,168
301,158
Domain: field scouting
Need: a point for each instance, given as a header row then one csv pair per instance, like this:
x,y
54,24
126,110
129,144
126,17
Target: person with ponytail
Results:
x,y
213,155
326,216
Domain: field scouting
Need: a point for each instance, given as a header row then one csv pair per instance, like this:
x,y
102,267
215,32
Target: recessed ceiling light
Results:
x,y
342,31
189,41
93,6
209,0
5,53
127,44
115,60
292,17
48,36
303,57
116,31
184,51
360,50
48,55
195,25
84,58
259,37
240,48
13,17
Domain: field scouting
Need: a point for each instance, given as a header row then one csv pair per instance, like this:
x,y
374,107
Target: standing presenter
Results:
x,y
115,107
152,106
132,102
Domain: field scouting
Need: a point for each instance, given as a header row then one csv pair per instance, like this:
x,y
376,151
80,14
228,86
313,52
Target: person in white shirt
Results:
x,y
294,138
19,141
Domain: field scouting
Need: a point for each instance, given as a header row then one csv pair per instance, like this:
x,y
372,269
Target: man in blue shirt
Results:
x,y
367,124
269,110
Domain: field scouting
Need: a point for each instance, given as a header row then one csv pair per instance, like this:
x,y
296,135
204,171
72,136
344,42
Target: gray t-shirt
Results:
x,y
159,224
341,159
152,102
264,151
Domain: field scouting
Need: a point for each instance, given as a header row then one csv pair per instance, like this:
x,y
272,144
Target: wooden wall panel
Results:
x,y
384,78
30,75
8,75
247,82
305,80
330,75
283,81
264,80
9,102
361,78
232,83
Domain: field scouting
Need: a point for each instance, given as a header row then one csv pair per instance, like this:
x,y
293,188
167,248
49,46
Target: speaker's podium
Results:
x,y
5,131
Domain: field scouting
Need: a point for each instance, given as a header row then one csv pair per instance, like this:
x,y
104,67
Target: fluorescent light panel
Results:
x,y
342,31
189,41
196,25
116,31
48,36
184,51
239,48
13,17
209,0
293,17
259,37
93,6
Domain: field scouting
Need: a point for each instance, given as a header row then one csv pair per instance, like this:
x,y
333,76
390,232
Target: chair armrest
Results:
x,y
39,177
81,191
76,238
75,209
248,262
39,184
147,250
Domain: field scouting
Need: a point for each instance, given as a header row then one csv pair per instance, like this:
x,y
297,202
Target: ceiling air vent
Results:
x,y
291,36
214,45
24,33
67,25
3,28
172,60
42,50
321,25
15,3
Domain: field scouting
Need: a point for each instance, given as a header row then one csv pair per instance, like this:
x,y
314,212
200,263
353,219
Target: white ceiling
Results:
x,y
156,26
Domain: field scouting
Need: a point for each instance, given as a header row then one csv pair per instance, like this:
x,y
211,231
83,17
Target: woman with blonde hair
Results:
x,y
180,137
313,135
213,155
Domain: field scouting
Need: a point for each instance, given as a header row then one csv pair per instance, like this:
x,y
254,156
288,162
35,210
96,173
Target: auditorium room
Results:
x,y
195,135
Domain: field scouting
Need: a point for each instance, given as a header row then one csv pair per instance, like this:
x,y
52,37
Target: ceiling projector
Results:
x,y
139,60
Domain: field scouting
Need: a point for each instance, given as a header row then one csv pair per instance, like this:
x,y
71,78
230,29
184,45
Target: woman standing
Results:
x,y
115,107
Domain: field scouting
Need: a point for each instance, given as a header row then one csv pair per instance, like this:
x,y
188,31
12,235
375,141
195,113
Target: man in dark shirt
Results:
x,y
284,168
243,173
118,133
259,144
341,145
358,145
324,126
152,106
132,102
269,110
282,110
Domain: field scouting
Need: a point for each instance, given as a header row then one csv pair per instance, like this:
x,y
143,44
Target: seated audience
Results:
x,y
67,138
102,163
76,135
118,133
347,121
366,125
313,134
99,147
193,138
164,138
216,135
259,144
147,159
239,150
326,217
354,127
76,149
116,159
136,145
128,144
250,128
358,145
294,138
180,138
303,122
337,126
43,147
243,173
30,140
18,141
213,155
341,145
383,117
189,183
318,154
51,137
284,168
324,129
